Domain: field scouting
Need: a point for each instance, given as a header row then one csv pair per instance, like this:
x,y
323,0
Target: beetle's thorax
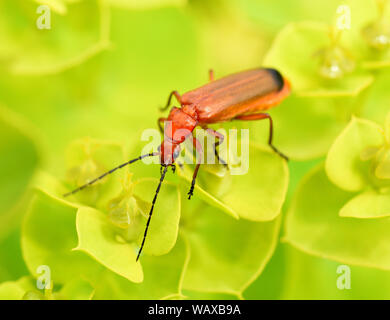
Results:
x,y
180,124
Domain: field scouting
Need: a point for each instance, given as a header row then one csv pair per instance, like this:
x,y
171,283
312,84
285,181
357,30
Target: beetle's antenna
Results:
x,y
111,171
151,211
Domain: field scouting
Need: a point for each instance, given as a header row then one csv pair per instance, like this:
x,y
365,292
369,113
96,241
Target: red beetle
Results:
x,y
241,96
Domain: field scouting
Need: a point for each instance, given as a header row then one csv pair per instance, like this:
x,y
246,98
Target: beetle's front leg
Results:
x,y
178,98
160,122
199,152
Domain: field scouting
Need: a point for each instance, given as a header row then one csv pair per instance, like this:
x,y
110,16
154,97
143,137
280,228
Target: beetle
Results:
x,y
240,96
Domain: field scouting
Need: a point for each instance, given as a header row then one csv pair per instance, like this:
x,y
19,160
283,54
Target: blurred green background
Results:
x,y
75,99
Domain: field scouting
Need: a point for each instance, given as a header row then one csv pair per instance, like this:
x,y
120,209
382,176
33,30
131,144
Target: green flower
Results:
x,y
358,161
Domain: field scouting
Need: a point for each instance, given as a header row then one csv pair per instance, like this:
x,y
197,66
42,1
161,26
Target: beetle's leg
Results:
x,y
220,138
160,122
260,116
211,75
199,151
178,98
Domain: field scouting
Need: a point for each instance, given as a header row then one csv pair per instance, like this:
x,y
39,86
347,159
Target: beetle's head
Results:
x,y
169,151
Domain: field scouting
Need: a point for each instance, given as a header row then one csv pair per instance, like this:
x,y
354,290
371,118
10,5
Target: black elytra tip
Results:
x,y
278,78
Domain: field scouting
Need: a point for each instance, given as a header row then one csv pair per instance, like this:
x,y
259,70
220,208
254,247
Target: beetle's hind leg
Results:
x,y
177,96
261,116
220,138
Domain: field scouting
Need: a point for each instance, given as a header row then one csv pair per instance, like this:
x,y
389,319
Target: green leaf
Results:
x,y
15,290
319,283
387,126
368,204
263,186
377,100
34,295
269,15
226,254
197,295
48,237
313,225
382,170
88,159
370,34
98,238
71,40
164,226
51,186
12,265
325,275
303,40
59,6
201,192
269,285
25,288
77,289
20,156
162,278
344,164
145,4
19,159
